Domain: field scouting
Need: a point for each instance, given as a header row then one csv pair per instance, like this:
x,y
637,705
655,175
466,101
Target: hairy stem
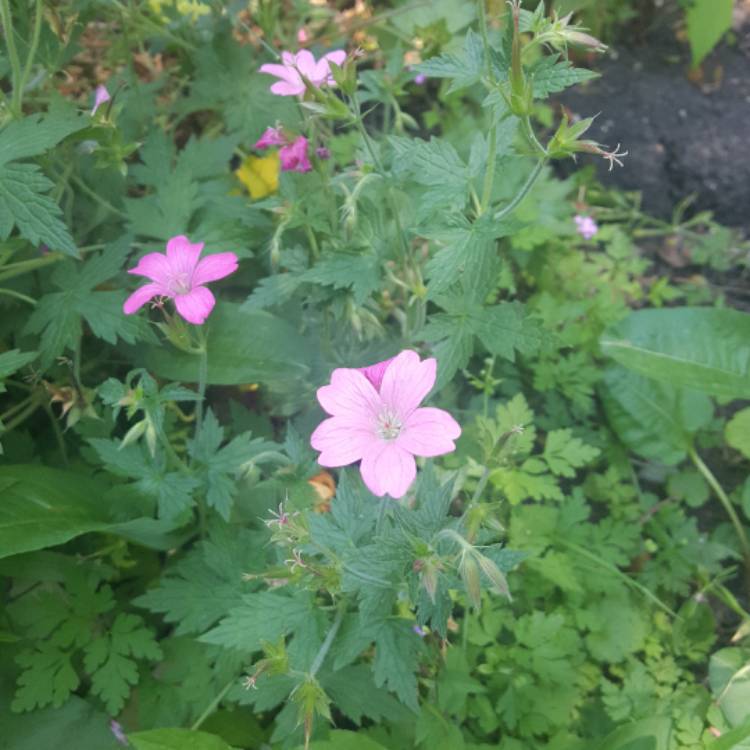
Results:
x,y
15,63
213,705
326,645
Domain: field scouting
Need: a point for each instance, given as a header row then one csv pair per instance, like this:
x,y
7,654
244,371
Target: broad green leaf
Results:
x,y
653,419
550,76
243,347
707,22
737,432
176,739
647,734
692,347
465,69
11,361
342,739
729,677
732,740
42,507
75,725
361,273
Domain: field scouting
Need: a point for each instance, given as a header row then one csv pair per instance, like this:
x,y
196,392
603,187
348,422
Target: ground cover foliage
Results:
x,y
179,571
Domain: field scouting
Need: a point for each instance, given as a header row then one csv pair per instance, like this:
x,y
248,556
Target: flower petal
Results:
x,y
214,267
286,88
284,72
141,296
374,373
337,56
388,470
407,381
154,266
350,395
342,441
429,432
304,61
183,256
196,305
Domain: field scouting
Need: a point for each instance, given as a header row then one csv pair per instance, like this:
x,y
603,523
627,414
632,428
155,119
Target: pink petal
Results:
x,y
196,305
284,88
141,296
337,56
154,266
429,432
183,256
374,373
304,61
270,137
294,157
388,470
407,381
342,441
350,395
214,267
101,95
285,72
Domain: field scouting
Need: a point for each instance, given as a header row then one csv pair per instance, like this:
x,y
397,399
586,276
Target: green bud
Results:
x,y
134,434
469,571
497,579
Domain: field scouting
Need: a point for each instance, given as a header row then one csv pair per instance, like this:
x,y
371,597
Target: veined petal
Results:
x,y
374,373
284,72
305,63
429,432
154,266
141,296
287,88
350,395
388,469
342,441
407,381
214,267
196,305
183,256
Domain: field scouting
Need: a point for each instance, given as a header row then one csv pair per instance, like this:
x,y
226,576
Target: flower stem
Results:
x,y
15,63
213,705
523,192
326,645
489,175
32,54
713,482
18,295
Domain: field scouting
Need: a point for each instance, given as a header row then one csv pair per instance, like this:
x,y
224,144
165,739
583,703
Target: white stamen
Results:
x,y
389,425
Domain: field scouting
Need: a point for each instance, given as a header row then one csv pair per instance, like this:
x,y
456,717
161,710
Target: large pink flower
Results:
x,y
179,275
376,418
293,67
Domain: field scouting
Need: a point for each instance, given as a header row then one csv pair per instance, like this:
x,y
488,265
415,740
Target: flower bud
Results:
x,y
469,571
497,579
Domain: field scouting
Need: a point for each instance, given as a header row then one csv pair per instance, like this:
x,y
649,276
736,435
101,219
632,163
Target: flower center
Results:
x,y
389,425
180,283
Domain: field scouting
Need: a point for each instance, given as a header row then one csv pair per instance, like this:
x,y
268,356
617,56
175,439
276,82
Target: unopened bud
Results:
x,y
497,579
469,571
134,434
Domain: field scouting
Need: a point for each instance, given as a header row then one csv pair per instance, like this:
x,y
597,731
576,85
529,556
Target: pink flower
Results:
x,y
302,36
270,137
585,226
293,67
294,156
101,96
180,276
376,419
420,78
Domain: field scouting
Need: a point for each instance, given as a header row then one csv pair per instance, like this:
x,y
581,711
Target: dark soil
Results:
x,y
683,136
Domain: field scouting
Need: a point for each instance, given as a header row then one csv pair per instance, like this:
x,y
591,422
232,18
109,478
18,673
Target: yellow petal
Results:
x,y
260,175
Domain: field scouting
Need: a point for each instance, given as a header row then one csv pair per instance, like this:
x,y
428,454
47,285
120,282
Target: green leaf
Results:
x,y
243,347
737,432
48,677
262,617
729,677
653,419
11,361
76,725
33,135
647,734
465,69
206,584
272,291
110,659
342,739
707,21
176,739
397,660
361,273
23,204
692,347
43,507
549,76
565,453
59,315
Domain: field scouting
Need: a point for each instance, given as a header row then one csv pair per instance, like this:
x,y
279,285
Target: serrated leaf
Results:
x,y
23,204
465,69
361,273
273,290
48,678
397,659
176,739
551,75
565,453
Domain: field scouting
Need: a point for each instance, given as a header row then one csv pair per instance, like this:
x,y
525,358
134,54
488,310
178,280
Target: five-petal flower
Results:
x,y
376,418
181,276
294,69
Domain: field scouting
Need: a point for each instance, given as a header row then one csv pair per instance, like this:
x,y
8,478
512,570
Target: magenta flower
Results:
x,y
585,226
270,137
323,153
293,156
376,419
101,96
179,275
294,67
